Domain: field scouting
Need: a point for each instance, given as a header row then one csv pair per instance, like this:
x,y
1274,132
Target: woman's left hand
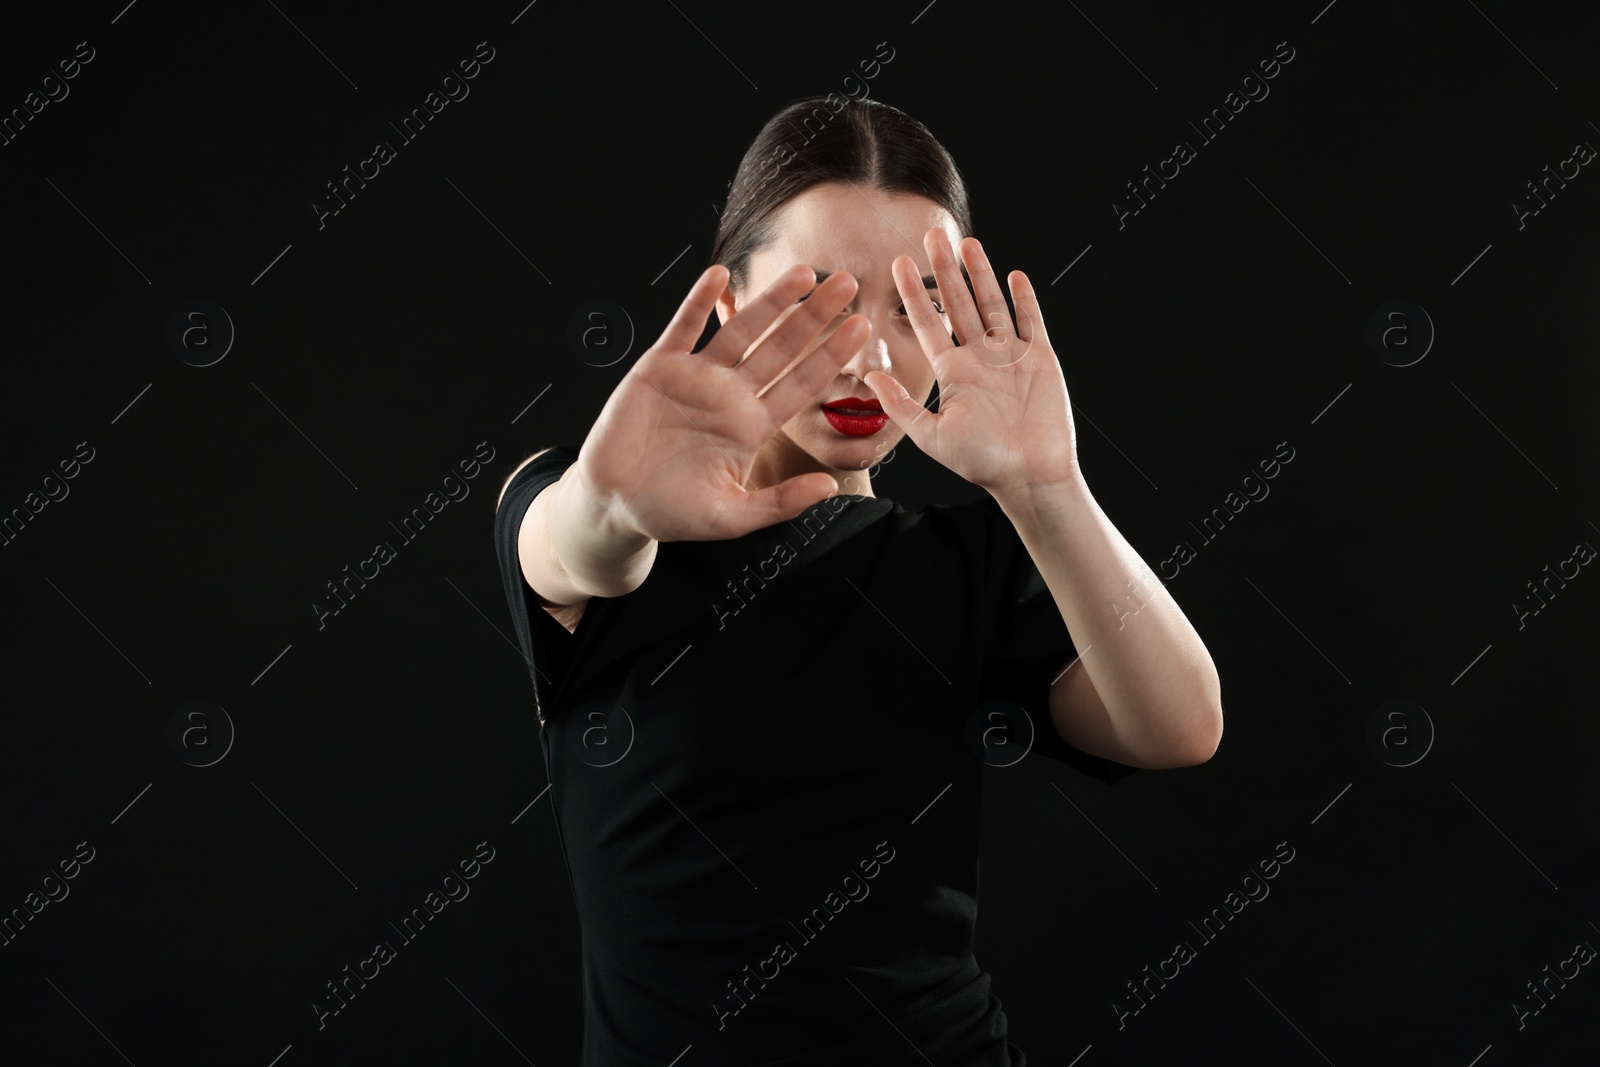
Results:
x,y
1004,421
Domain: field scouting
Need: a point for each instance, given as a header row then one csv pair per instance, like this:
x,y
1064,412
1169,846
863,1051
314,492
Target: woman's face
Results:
x,y
833,227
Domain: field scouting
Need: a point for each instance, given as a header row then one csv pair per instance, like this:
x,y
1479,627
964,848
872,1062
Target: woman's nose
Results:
x,y
872,355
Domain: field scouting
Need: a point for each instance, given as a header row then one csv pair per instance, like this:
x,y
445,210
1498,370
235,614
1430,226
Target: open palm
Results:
x,y
676,440
1004,420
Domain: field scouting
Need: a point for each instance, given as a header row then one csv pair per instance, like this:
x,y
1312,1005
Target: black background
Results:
x,y
589,161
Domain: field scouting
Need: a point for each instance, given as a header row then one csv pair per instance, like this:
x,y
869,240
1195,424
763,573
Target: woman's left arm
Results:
x,y
1143,690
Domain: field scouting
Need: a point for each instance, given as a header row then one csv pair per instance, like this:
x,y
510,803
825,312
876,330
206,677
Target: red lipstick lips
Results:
x,y
855,417
861,404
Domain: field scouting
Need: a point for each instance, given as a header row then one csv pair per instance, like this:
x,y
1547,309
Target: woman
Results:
x,y
769,809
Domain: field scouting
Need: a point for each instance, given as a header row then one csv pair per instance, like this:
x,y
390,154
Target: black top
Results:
x,y
765,766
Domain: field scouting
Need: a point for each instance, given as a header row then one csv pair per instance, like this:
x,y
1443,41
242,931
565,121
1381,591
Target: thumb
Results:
x,y
760,508
916,420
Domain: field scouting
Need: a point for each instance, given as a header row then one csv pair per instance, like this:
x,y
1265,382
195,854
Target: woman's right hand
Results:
x,y
670,453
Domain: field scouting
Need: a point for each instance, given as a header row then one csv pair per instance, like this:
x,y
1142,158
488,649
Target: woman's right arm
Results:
x,y
570,550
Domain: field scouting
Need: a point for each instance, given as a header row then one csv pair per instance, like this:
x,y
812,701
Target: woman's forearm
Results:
x,y
582,552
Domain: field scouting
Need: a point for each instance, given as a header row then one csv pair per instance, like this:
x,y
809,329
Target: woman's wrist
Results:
x,y
601,556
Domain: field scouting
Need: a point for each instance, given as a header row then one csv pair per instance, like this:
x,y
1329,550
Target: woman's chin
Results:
x,y
856,453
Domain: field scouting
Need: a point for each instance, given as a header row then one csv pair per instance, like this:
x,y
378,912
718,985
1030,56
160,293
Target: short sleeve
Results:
x,y
1026,643
543,642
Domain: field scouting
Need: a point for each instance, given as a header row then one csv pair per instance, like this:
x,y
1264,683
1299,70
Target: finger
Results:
x,y
806,380
745,326
953,292
925,319
759,508
918,422
992,307
1030,317
690,321
775,352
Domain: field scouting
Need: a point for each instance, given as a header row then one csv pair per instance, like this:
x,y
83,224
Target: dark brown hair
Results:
x,y
831,138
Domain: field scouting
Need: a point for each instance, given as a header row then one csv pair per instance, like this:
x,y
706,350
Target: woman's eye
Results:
x,y
937,306
842,311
